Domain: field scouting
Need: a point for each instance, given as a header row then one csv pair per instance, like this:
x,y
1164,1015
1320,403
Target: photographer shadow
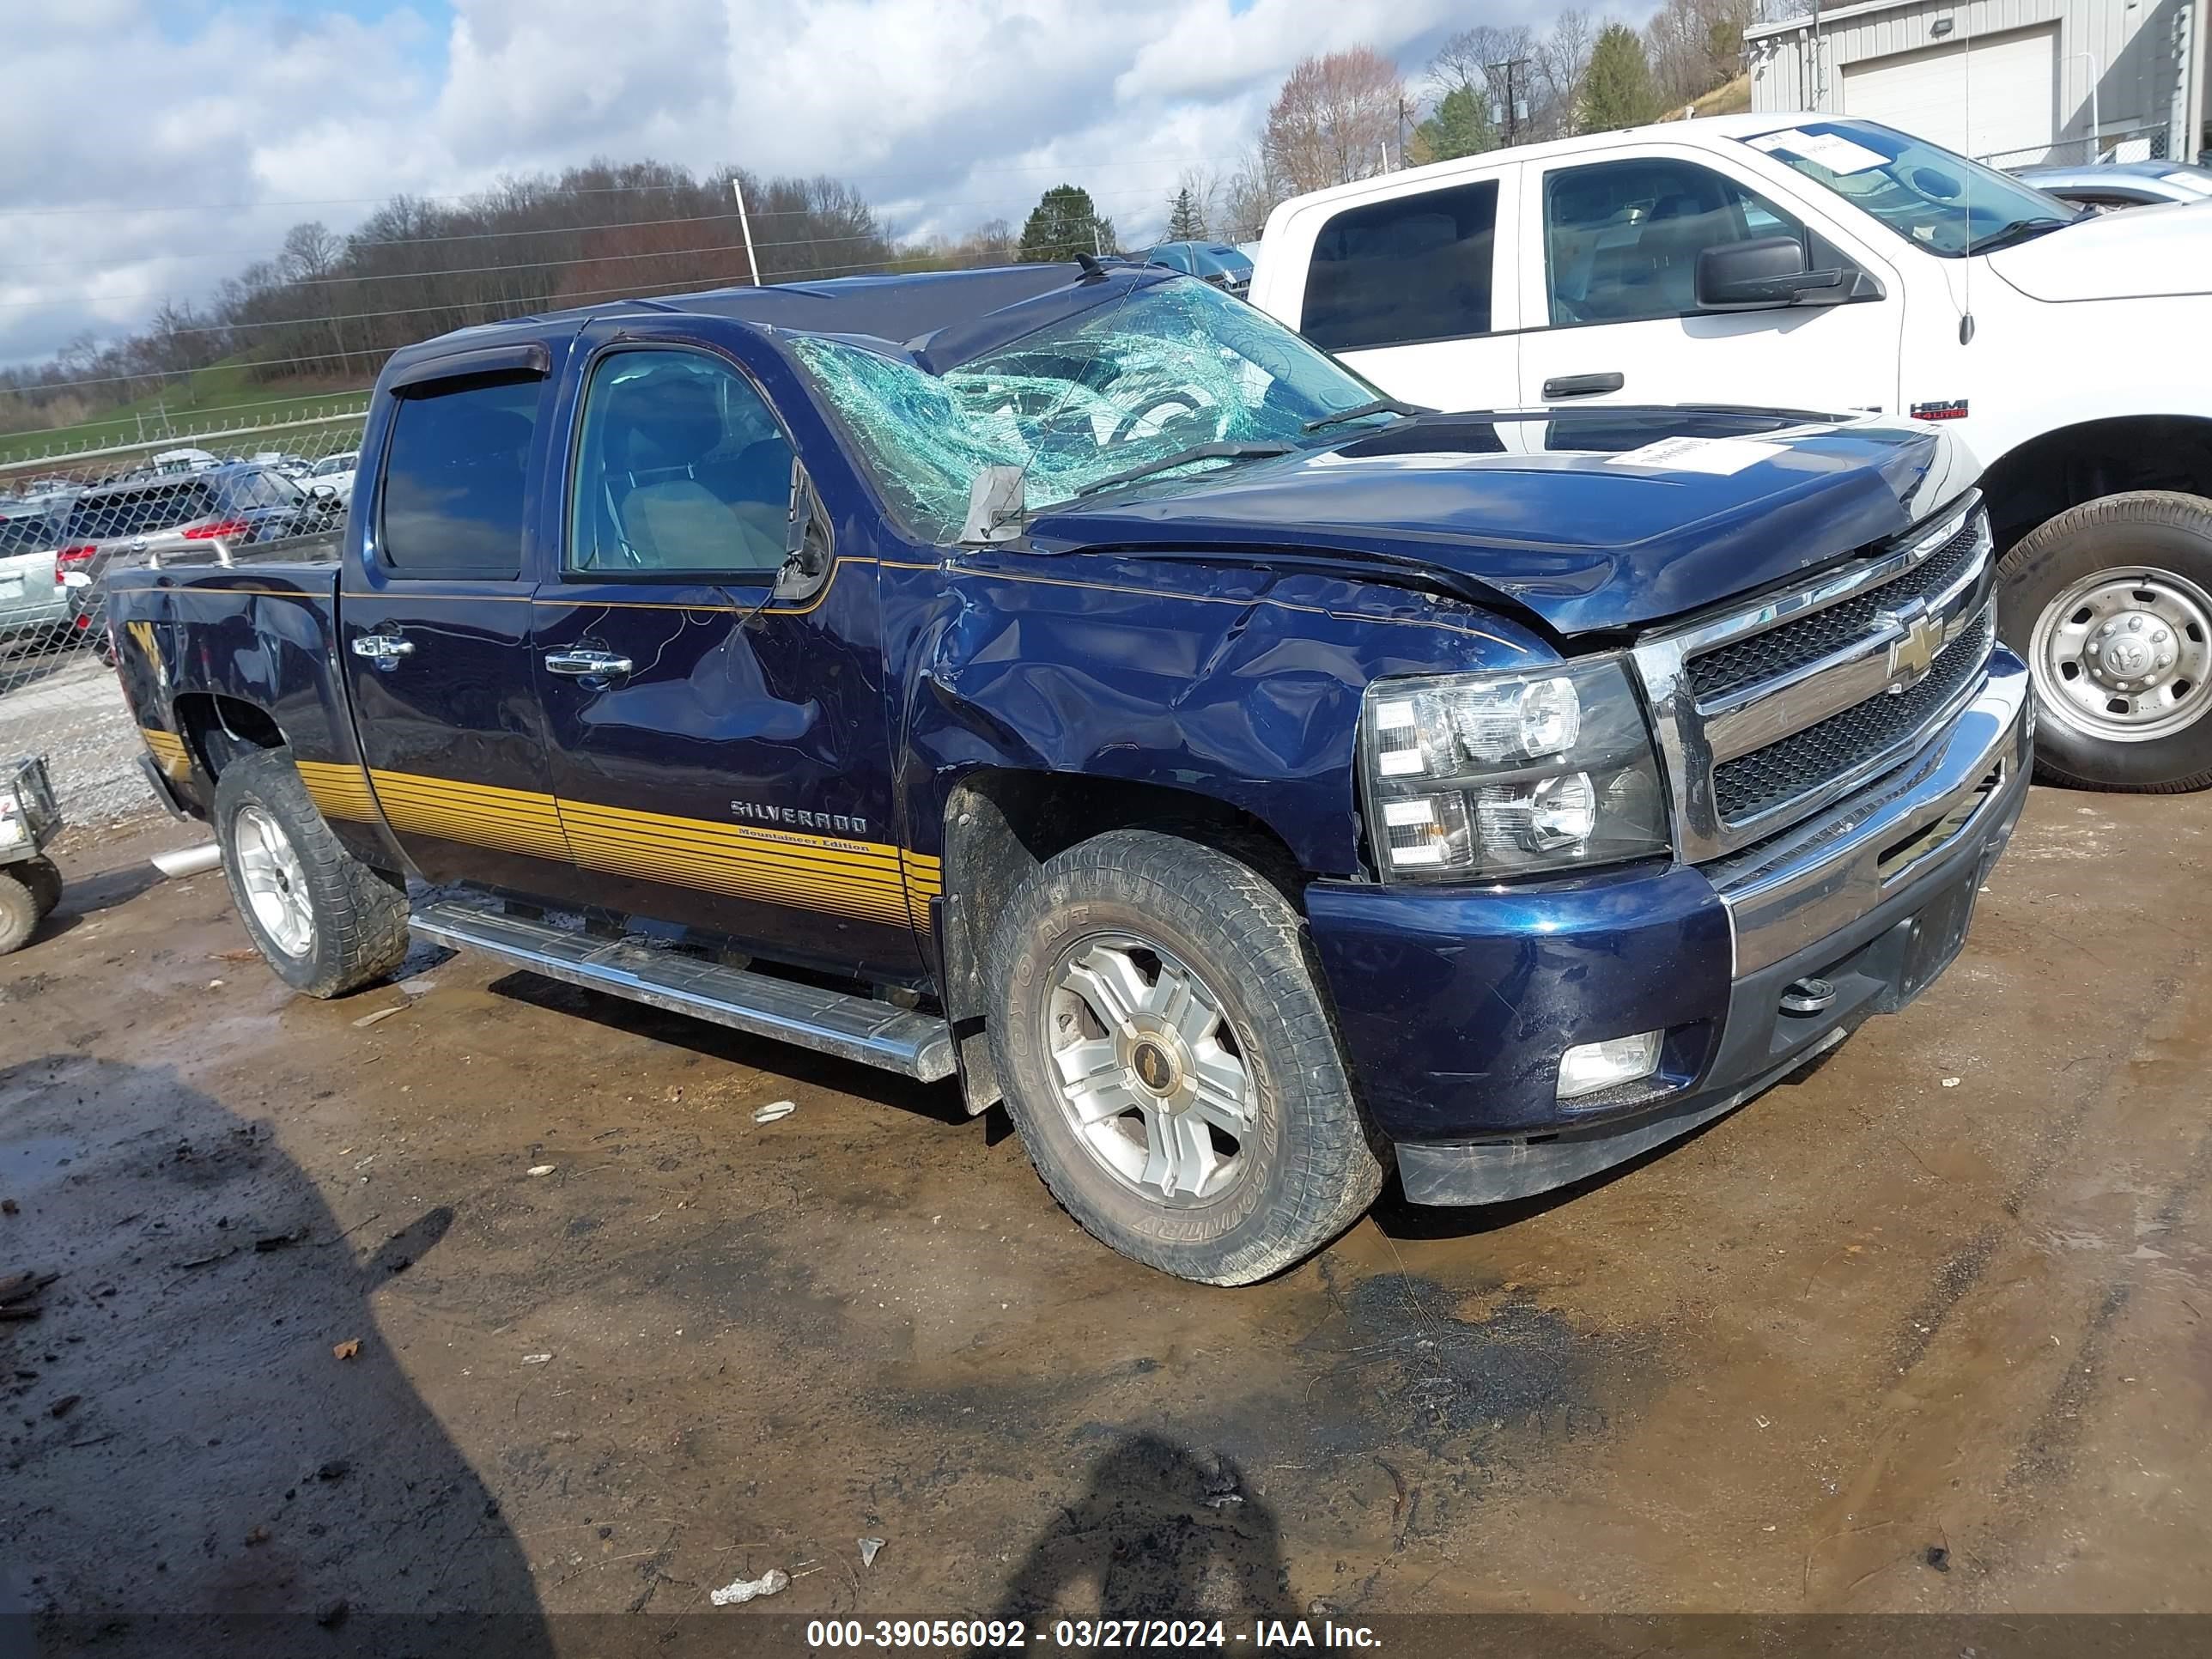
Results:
x,y
219,1454
1163,1533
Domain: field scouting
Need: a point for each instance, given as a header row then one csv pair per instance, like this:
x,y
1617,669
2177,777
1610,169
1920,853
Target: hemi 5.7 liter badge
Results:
x,y
1947,409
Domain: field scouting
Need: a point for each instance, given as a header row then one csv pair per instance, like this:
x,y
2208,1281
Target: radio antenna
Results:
x,y
1965,192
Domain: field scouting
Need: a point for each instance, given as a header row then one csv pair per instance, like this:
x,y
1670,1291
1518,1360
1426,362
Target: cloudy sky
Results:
x,y
153,146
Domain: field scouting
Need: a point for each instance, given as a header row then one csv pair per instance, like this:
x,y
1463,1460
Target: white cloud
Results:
x,y
253,114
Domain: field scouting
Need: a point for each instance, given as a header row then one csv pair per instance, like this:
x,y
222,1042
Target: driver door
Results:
x,y
721,755
1609,296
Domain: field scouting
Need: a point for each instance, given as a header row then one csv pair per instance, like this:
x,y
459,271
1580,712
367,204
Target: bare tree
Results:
x,y
1334,119
1562,59
1496,65
1249,195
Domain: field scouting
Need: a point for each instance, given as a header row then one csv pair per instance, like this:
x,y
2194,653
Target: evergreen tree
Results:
x,y
1186,223
1063,224
1461,127
1617,90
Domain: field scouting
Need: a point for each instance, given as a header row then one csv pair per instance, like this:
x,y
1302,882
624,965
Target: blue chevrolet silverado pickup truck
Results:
x,y
1068,680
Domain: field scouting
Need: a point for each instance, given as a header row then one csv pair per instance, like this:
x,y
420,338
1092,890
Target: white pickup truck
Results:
x,y
1806,262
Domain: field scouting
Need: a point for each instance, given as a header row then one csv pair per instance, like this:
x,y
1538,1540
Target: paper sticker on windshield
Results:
x,y
1830,150
1716,455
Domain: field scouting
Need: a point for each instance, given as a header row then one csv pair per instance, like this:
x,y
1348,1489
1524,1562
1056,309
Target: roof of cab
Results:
x,y
903,310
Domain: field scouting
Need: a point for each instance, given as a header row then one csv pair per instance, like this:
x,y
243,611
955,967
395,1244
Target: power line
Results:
x,y
552,191
529,308
436,272
357,242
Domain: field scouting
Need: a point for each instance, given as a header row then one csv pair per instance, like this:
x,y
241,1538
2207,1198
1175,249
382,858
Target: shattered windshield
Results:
x,y
1133,381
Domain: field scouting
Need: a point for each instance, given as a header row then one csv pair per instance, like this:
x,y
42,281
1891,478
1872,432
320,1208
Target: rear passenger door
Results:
x,y
1610,295
1414,289
722,754
434,624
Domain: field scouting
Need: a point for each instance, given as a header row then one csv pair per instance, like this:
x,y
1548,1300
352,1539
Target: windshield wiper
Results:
x,y
1372,406
2020,230
1223,452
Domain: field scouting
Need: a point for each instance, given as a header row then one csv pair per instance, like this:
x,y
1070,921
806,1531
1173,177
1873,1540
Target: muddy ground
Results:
x,y
1924,1331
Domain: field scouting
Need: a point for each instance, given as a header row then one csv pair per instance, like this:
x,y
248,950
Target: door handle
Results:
x,y
384,650
1583,386
587,665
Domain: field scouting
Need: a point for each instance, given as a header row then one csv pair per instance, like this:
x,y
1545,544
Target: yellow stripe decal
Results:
x,y
869,881
510,820
341,791
168,751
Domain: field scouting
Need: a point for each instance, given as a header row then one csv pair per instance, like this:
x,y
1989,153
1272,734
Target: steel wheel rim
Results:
x,y
1147,1072
274,881
2125,655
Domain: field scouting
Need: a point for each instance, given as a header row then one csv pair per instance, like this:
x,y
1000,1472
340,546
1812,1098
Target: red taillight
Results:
x,y
69,558
81,623
209,531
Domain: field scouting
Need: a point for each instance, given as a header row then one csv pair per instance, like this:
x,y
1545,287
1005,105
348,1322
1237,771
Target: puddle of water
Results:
x,y
33,1163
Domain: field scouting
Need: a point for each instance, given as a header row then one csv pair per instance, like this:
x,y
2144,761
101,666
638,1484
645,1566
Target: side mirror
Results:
x,y
1768,271
324,492
807,541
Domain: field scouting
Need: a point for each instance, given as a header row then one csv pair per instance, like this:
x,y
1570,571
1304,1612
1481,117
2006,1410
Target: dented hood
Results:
x,y
1599,519
2137,255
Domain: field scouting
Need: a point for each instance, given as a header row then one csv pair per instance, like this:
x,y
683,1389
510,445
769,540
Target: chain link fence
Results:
x,y
70,517
2147,142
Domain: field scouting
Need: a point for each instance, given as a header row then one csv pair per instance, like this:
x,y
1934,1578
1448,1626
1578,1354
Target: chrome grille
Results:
x,y
1766,713
1756,783
1779,650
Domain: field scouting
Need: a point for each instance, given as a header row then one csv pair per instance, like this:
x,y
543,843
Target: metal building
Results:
x,y
2009,82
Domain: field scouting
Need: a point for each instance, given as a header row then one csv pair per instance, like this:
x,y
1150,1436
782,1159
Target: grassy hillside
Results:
x,y
221,395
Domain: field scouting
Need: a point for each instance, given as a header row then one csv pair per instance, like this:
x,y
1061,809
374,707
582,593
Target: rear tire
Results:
x,y
1203,1124
19,910
2139,564
323,920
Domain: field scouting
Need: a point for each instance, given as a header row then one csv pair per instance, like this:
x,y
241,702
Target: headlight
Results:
x,y
1487,775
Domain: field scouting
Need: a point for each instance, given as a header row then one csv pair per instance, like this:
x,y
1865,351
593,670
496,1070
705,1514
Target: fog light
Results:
x,y
1588,1067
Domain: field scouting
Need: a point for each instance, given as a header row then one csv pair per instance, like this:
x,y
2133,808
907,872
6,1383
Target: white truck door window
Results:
x,y
1615,311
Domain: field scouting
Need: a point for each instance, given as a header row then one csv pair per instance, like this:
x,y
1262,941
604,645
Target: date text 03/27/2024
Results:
x,y
1088,1635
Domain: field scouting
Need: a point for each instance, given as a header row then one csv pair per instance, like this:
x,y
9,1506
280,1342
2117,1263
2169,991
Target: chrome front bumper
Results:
x,y
1818,877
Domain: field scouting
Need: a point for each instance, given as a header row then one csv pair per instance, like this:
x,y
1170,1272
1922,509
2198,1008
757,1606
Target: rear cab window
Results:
x,y
456,464
1404,270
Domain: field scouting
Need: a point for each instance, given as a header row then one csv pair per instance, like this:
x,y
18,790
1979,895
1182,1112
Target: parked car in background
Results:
x,y
1226,267
33,603
1104,698
218,508
1815,262
173,461
336,470
2118,185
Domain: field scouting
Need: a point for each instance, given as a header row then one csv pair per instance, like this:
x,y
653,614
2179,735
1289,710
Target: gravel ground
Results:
x,y
63,705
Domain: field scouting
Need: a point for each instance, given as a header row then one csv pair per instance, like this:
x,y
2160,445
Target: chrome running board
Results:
x,y
855,1027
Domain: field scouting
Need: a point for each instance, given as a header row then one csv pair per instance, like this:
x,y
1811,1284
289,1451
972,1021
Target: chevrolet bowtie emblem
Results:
x,y
1912,656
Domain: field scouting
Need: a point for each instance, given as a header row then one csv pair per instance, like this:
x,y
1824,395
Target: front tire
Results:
x,y
2110,605
323,920
1169,1063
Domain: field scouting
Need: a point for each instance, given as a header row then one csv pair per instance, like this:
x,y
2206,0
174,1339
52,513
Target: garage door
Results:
x,y
1998,97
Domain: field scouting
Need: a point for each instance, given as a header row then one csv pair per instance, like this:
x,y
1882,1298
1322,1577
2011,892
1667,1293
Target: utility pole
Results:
x,y
1512,104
